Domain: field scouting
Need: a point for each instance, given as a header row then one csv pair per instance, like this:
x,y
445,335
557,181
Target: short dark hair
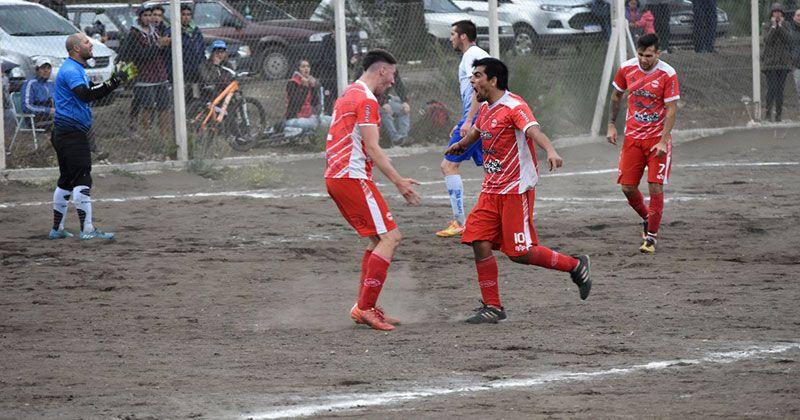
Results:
x,y
466,27
493,67
646,41
185,6
377,56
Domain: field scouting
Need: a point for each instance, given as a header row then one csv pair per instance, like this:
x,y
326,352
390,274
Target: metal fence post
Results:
x,y
341,46
494,34
755,42
178,86
2,126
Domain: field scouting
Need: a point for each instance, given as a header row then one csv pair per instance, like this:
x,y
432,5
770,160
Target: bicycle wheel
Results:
x,y
248,122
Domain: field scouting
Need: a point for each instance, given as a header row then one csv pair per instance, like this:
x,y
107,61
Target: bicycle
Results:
x,y
241,119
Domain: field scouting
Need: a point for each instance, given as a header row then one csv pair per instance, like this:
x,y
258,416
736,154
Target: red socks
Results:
x,y
543,256
487,280
637,202
654,216
372,281
364,263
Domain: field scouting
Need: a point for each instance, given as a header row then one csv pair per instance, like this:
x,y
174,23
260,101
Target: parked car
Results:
x,y
29,31
439,16
275,48
115,18
540,24
681,22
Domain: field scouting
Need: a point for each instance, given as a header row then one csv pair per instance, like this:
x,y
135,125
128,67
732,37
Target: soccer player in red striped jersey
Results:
x,y
351,151
503,217
653,92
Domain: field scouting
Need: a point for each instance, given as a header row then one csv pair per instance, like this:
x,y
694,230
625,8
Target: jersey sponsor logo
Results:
x,y
640,104
524,117
644,93
485,135
654,83
367,113
494,123
492,166
646,118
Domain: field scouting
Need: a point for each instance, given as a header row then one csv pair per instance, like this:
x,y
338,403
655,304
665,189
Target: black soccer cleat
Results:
x,y
487,315
580,276
644,229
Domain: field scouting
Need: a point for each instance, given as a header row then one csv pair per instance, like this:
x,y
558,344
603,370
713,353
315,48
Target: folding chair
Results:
x,y
24,122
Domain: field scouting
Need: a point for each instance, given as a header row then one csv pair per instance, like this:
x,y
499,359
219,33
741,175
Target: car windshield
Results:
x,y
441,6
25,20
123,15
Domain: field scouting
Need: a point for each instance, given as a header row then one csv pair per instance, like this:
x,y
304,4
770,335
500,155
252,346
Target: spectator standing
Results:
x,y
194,45
37,92
639,19
661,10
705,25
57,6
794,30
776,59
302,100
150,52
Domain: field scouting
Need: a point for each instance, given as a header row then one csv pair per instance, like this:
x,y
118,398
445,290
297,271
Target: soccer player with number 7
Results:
x,y
653,92
503,217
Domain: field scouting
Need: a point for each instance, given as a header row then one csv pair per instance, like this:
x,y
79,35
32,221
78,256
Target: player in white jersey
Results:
x,y
463,35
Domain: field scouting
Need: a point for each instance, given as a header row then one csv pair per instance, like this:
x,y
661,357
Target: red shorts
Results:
x,y
636,154
506,220
362,205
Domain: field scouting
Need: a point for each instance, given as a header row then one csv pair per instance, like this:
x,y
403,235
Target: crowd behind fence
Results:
x,y
260,76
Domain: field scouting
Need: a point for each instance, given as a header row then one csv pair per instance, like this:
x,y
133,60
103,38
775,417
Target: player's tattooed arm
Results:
x,y
553,158
613,112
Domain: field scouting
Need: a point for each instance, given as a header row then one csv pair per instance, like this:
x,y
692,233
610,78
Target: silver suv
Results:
x,y
542,24
29,30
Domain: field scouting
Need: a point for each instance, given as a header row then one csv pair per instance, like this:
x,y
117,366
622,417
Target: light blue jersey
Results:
x,y
465,72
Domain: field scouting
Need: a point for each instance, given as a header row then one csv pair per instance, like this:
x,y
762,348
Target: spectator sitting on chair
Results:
x,y
302,101
37,94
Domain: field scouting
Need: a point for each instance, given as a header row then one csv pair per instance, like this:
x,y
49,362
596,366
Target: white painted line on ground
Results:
x,y
345,402
267,194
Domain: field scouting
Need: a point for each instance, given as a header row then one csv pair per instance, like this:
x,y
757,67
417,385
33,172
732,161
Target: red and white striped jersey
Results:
x,y
508,156
345,153
647,94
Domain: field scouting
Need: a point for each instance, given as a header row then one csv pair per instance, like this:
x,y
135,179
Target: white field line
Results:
x,y
345,402
269,194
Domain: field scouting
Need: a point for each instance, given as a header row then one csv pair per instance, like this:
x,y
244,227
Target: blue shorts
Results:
x,y
475,152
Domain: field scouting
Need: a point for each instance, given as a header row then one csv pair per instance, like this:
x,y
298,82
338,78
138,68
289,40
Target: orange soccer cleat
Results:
x,y
372,317
454,229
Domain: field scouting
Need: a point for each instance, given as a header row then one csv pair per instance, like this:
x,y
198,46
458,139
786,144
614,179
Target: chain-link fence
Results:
x,y
260,76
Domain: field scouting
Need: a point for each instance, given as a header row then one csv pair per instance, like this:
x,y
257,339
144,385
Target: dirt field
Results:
x,y
236,305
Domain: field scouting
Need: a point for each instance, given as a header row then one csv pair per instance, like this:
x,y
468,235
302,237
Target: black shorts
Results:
x,y
74,157
152,97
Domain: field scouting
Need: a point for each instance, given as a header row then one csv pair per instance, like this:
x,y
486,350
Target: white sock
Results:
x,y
455,188
60,207
81,197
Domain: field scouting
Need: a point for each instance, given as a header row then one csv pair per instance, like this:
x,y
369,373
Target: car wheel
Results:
x,y
525,40
274,64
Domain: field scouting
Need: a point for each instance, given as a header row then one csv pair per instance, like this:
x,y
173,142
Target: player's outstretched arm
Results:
x,y
98,91
462,145
613,112
541,140
374,151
